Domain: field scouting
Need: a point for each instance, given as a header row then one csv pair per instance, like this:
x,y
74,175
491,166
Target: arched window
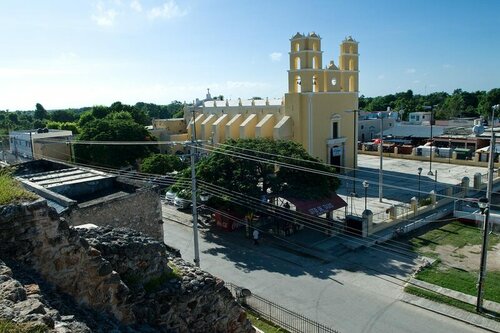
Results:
x,y
352,83
351,49
315,62
297,47
352,65
315,84
298,84
297,63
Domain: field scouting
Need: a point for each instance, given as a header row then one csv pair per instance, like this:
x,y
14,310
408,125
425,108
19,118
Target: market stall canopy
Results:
x,y
318,207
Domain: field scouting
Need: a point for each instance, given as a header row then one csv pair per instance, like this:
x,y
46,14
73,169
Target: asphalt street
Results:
x,y
356,292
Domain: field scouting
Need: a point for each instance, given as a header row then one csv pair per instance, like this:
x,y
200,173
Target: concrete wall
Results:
x,y
140,211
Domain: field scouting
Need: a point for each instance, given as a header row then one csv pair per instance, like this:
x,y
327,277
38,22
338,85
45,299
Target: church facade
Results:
x,y
318,111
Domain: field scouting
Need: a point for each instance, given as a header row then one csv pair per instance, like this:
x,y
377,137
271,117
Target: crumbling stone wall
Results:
x,y
182,299
34,234
159,292
140,211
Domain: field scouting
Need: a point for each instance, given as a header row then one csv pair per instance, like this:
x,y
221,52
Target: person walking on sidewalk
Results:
x,y
255,237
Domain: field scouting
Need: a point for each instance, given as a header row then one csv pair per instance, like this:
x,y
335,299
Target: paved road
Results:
x,y
358,292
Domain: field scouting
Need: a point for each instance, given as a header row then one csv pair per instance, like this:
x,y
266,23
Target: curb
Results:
x,y
447,314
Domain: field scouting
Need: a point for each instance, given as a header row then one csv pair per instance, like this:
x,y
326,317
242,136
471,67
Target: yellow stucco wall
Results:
x,y
317,98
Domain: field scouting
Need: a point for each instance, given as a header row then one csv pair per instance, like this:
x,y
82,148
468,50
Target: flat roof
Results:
x,y
68,176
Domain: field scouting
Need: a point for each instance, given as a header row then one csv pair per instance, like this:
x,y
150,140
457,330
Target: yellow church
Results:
x,y
318,111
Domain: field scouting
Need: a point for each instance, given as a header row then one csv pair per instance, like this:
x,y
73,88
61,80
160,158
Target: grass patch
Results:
x,y
462,281
455,234
439,298
155,283
11,327
263,324
11,191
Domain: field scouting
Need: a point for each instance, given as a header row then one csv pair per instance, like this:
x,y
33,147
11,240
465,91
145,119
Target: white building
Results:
x,y
35,144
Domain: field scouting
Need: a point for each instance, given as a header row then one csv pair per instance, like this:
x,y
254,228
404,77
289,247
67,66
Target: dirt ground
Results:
x,y
467,257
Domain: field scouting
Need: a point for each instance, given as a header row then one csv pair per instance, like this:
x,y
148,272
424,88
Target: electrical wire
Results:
x,y
229,194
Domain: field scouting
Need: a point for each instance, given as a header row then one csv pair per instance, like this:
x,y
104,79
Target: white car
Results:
x,y
170,196
181,201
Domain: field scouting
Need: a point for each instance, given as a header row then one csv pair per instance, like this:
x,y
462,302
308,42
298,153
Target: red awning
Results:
x,y
318,206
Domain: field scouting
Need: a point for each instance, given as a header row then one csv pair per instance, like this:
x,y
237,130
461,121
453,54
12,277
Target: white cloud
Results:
x,y
168,10
410,71
136,5
276,56
104,17
381,77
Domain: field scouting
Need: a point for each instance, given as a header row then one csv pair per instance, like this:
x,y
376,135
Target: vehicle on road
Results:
x,y
170,196
182,200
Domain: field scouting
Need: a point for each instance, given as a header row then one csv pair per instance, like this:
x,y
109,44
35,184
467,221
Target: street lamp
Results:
x,y
419,173
435,180
365,186
432,141
380,172
484,206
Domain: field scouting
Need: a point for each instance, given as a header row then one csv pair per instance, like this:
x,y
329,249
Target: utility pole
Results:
x,y
485,205
355,149
380,171
193,191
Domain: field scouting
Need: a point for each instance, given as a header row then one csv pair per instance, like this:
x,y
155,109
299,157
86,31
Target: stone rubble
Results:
x,y
104,280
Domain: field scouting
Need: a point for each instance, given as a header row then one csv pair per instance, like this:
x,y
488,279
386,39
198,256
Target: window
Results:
x,y
335,130
362,126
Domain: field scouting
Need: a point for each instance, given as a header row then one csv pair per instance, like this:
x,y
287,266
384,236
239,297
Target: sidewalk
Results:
x,y
452,312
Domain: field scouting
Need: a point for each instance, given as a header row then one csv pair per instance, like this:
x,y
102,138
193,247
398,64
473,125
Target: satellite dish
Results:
x,y
478,130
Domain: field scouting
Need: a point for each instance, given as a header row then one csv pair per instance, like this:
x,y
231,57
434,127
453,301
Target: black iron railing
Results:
x,y
287,319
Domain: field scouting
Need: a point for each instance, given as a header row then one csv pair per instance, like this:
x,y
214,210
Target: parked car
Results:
x,y
170,196
182,200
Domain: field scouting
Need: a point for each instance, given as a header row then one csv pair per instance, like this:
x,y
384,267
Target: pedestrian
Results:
x,y
255,237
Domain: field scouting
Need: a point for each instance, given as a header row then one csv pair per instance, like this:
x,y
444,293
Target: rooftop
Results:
x,y
244,102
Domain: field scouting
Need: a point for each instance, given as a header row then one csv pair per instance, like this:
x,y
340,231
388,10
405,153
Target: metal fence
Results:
x,y
287,319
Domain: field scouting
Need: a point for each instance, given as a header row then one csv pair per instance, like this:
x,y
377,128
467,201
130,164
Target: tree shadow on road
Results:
x,y
392,259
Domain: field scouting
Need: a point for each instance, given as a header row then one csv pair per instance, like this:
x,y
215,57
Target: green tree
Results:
x,y
70,126
254,177
85,118
486,101
109,129
63,116
161,164
40,112
53,125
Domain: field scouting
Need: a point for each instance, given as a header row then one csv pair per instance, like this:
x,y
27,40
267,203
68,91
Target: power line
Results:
x,y
304,220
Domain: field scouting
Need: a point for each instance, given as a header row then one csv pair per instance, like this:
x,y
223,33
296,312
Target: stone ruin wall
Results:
x,y
123,212
89,264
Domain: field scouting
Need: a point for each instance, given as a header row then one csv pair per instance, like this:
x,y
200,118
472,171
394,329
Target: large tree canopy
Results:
x,y
161,164
112,129
40,112
252,166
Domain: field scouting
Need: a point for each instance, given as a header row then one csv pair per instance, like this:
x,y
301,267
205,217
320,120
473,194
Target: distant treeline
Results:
x,y
70,119
457,105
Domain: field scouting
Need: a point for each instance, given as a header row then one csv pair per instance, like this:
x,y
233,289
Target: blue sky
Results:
x,y
77,53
